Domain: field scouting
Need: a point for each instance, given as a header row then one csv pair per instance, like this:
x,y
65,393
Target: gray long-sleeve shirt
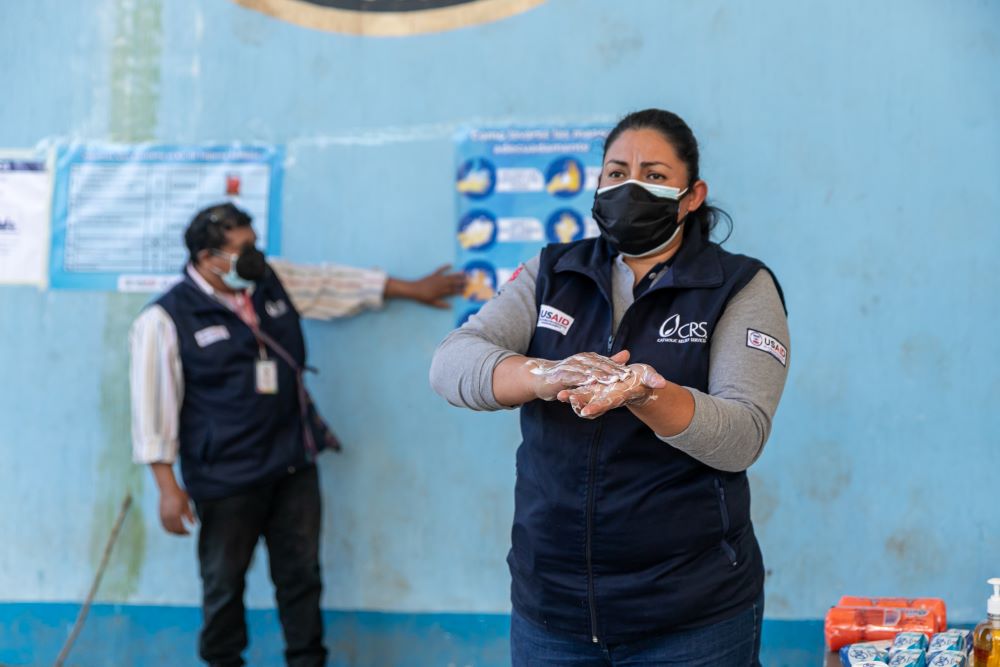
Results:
x,y
731,422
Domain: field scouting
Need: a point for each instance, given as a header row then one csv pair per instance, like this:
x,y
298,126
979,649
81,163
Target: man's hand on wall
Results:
x,y
431,290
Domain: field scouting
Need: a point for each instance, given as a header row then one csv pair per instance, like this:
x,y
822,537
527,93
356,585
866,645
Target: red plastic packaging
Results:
x,y
934,605
850,625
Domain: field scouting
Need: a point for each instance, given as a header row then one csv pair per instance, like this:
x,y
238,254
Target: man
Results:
x,y
216,378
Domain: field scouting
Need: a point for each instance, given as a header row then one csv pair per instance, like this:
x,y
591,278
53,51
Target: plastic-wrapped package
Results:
x,y
936,606
852,625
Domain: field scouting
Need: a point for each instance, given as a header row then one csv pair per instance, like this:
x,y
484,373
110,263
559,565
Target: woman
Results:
x,y
648,364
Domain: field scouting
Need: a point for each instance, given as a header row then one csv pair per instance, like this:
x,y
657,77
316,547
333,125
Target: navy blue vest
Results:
x,y
232,437
617,535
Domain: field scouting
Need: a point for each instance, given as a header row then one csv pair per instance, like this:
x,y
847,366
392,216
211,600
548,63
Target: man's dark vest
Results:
x,y
617,535
231,436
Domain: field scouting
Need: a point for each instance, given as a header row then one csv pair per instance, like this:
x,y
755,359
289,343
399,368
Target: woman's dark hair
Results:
x,y
208,228
676,131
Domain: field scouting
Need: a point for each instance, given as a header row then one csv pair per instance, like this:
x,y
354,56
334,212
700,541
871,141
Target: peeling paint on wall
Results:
x,y
116,474
135,86
135,70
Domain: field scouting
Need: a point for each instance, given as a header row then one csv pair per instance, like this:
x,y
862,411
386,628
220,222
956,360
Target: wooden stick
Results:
x,y
85,609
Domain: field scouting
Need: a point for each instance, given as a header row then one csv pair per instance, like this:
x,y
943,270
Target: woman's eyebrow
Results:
x,y
641,164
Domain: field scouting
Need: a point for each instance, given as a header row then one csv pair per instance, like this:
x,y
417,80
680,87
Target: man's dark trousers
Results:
x,y
286,513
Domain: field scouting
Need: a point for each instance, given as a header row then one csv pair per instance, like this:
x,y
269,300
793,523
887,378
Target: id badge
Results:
x,y
267,376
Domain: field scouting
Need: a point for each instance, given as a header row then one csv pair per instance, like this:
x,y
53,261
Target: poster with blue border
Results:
x,y
518,189
119,211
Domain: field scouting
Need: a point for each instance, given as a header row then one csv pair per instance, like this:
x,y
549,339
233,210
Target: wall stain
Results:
x,y
763,500
777,603
385,583
621,41
917,556
135,70
828,472
871,304
898,546
135,86
826,389
720,21
116,474
390,583
922,353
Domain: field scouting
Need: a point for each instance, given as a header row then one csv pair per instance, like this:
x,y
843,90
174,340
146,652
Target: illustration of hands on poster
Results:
x,y
518,189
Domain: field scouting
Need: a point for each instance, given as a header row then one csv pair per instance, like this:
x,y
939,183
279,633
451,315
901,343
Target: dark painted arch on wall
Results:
x,y
389,18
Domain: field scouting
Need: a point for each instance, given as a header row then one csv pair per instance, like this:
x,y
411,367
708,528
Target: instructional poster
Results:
x,y
119,212
25,192
517,190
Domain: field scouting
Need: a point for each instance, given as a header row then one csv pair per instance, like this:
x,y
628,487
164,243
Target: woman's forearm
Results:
x,y
513,382
669,412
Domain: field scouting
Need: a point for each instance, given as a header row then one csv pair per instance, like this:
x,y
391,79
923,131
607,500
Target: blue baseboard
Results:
x,y
150,636
792,644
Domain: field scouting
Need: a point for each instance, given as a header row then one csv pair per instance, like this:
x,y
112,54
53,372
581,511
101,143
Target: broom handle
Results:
x,y
85,609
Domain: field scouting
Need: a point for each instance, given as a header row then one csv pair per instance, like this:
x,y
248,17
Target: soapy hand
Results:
x,y
635,388
579,370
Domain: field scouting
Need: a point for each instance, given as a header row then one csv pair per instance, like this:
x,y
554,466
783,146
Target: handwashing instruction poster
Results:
x,y
119,211
518,189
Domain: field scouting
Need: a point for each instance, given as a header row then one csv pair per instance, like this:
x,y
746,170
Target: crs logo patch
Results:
x,y
383,18
555,319
674,330
759,340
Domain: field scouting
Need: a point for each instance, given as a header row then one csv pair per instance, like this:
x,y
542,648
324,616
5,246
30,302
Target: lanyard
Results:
x,y
305,400
246,312
242,306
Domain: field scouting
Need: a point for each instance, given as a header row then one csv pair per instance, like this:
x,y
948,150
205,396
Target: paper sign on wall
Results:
x,y
119,212
25,191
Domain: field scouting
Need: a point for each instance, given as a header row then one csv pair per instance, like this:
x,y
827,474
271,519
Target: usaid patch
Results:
x,y
209,335
555,319
761,341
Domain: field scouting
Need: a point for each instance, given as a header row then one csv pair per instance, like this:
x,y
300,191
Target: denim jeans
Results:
x,y
734,642
286,513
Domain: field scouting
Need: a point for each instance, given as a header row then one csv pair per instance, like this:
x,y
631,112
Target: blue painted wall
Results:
x,y
856,144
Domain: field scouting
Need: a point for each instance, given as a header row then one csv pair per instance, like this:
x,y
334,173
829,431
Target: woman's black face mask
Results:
x,y
638,218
